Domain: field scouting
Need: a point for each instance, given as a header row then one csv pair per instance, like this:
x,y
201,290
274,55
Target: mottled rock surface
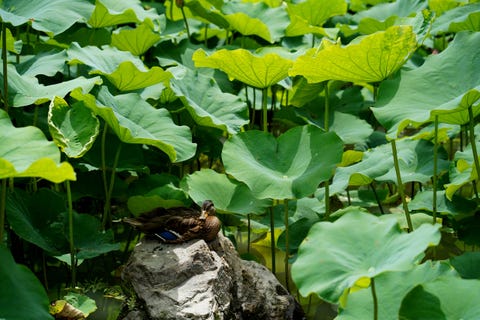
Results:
x,y
194,280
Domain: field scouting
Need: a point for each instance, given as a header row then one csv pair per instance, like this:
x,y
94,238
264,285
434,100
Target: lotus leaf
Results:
x,y
357,246
448,297
208,105
40,12
74,129
309,16
227,194
291,166
373,59
256,19
453,20
137,40
25,152
112,12
20,287
26,90
135,121
446,85
122,68
391,287
240,64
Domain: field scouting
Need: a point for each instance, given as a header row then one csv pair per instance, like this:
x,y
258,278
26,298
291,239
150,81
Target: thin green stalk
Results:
x,y
435,168
472,141
375,300
287,245
248,233
377,198
186,22
3,201
106,210
73,260
272,239
254,105
401,190
264,109
103,158
205,43
326,126
5,71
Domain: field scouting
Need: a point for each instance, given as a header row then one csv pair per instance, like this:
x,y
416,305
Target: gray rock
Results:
x,y
194,280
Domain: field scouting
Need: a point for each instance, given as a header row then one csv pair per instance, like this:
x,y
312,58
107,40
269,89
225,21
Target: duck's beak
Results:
x,y
203,215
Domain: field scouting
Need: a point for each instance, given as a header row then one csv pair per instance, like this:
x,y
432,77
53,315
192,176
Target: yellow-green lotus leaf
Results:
x,y
373,59
240,64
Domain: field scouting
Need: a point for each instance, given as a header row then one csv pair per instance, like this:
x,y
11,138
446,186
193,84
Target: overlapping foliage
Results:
x,y
284,113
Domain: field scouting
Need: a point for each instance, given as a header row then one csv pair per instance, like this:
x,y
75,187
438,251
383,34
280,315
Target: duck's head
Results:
x,y
208,209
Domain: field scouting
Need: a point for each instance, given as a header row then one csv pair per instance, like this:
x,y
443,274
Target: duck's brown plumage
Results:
x,y
178,225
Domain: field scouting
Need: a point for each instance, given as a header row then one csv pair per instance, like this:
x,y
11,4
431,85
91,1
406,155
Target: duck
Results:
x,y
178,225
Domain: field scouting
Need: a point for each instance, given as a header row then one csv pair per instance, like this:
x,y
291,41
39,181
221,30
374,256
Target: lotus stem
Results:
x,y
3,201
287,245
5,64
375,300
401,190
272,239
435,168
248,233
326,126
106,209
474,144
73,258
103,159
377,198
264,110
186,23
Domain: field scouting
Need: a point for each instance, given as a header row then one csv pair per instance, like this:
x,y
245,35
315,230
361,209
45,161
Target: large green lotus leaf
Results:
x,y
465,17
46,63
416,96
135,121
440,6
89,240
355,248
373,59
448,297
462,171
208,105
240,64
25,152
122,68
26,90
290,166
156,191
360,5
309,16
384,11
22,296
128,77
203,9
113,12
257,19
458,206
467,265
73,128
390,287
137,40
37,218
349,128
40,12
227,194
415,161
